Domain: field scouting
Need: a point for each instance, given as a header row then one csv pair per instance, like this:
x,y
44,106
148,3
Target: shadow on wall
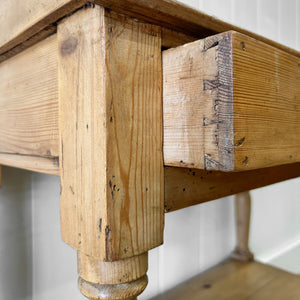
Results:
x,y
15,235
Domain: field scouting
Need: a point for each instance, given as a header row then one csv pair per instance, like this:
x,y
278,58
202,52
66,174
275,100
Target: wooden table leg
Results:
x,y
111,166
243,213
124,279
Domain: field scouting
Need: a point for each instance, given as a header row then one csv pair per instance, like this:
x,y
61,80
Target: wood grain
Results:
x,y
238,281
41,35
39,164
231,103
197,132
182,18
35,16
266,105
111,134
29,102
187,187
117,272
134,135
21,20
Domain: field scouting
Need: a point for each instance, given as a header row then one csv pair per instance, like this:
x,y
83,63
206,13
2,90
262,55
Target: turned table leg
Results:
x,y
124,279
111,165
243,213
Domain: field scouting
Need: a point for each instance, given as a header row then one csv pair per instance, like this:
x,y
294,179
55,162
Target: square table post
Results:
x,y
111,166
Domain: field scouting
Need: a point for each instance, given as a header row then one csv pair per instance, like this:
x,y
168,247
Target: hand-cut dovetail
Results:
x,y
210,84
209,44
207,121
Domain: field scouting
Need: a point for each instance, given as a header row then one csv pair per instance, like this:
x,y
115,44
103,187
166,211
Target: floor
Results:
x,y
234,280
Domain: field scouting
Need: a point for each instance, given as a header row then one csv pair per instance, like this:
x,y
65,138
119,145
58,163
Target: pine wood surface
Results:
x,y
186,187
267,107
111,134
28,102
233,280
121,271
23,21
32,163
197,132
41,35
231,103
180,17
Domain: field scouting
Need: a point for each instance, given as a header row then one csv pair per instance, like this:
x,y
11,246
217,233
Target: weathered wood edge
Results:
x,y
101,134
180,17
41,35
165,13
31,163
40,25
223,105
244,97
29,102
198,104
186,187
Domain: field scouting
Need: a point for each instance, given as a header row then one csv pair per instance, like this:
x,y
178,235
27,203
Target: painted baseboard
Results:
x,y
286,257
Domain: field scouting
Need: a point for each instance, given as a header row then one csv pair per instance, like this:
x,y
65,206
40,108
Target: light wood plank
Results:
x,y
41,35
187,187
197,132
285,286
134,134
32,163
82,132
111,134
29,102
21,20
231,103
266,105
233,280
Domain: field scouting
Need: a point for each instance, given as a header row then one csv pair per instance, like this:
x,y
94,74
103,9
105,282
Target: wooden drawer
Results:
x,y
231,103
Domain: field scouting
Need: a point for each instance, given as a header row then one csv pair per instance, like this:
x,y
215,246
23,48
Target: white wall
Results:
x,y
15,236
36,265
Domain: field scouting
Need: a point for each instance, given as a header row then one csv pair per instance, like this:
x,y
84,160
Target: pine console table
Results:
x,y
142,107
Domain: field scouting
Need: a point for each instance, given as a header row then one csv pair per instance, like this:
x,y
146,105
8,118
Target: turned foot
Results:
x,y
243,212
124,291
119,280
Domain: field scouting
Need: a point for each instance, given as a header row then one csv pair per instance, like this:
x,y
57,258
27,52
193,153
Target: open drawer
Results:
x,y
231,103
